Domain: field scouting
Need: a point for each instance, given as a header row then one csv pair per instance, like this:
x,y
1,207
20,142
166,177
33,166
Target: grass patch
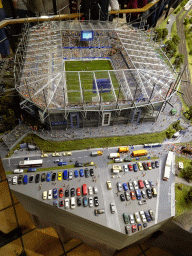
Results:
x,y
181,205
186,162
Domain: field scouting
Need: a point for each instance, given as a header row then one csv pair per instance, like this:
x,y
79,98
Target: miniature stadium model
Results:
x,y
82,73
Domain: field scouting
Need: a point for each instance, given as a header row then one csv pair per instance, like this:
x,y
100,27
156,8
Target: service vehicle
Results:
x,y
139,227
127,196
49,176
62,163
149,194
125,168
37,178
146,184
123,149
127,159
67,153
125,218
114,155
135,167
77,164
109,186
118,160
97,153
89,164
32,169
134,228
90,190
67,193
78,192
18,171
85,201
61,192
56,154
141,202
149,165
154,192
20,179
99,211
119,186
50,194
168,165
91,172
143,218
152,215
135,184
95,190
44,195
72,192
139,153
147,216
72,202
130,185
43,177
125,187
143,194
25,179
76,174
84,189
145,166
31,163
122,197
175,135
132,194
66,203
127,230
96,201
141,185
140,166
86,173
130,167
90,201
61,203
81,173
55,203
55,193
138,194
31,179
112,207
14,181
78,201
70,175
153,165
131,219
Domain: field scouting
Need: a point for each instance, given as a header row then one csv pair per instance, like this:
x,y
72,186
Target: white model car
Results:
x,y
18,171
67,203
112,206
44,195
90,201
143,216
95,189
125,168
135,185
131,219
90,190
137,218
147,184
14,182
50,194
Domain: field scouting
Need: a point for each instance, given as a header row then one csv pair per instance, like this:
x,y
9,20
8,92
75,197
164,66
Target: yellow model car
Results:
x,y
44,155
56,154
67,154
140,166
59,175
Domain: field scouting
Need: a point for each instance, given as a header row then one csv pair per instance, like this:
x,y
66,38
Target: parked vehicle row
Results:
x,y
139,195
80,201
134,185
136,219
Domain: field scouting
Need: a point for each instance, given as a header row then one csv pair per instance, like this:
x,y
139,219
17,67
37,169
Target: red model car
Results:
x,y
78,191
130,167
134,228
61,192
132,193
84,189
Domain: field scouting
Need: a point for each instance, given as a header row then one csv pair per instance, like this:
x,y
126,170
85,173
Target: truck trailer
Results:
x,y
123,149
97,153
139,153
114,155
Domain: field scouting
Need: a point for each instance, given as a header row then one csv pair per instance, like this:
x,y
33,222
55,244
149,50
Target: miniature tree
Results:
x,y
186,21
170,48
188,197
158,33
178,60
177,125
164,33
187,172
169,133
176,39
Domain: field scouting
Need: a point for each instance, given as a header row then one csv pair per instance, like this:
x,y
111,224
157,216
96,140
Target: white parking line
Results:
x,y
85,156
79,156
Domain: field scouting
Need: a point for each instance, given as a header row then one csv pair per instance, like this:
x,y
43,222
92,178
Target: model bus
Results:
x,y
168,163
154,145
31,163
139,153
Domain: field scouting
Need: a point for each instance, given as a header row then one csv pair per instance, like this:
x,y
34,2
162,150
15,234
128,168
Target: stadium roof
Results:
x,y
141,72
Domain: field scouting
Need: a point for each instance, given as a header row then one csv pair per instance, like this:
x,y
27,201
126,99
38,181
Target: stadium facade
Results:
x,y
61,78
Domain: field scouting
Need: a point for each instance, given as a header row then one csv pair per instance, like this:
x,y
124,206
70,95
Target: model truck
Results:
x,y
97,153
123,149
139,153
114,155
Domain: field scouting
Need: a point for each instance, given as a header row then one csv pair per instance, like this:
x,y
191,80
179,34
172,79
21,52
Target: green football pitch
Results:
x,y
85,79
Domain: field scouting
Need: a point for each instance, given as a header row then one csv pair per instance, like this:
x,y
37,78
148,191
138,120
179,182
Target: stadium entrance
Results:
x,y
106,119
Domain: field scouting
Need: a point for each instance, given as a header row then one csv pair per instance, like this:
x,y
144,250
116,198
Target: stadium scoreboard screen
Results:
x,y
86,35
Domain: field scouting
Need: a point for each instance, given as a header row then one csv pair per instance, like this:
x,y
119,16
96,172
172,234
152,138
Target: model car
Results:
x,y
99,211
20,179
66,193
43,177
149,194
127,159
144,195
44,195
90,190
77,164
26,159
90,201
31,178
67,153
65,174
91,172
137,218
122,197
86,173
84,189
131,219
141,185
72,192
156,164
66,203
125,186
127,196
81,173
54,176
25,179
119,186
48,176
89,164
130,167
135,185
134,228
56,154
50,194
85,201
141,202
18,171
153,165
55,203
125,168
127,230
78,192
125,218
143,218
149,165
59,177
112,207
76,174
78,201
152,215
37,178
95,189
61,192
56,161
151,183
70,175
72,202
14,181
130,186
61,203
146,184
145,166
62,163
109,186
9,179
147,216
140,166
135,167
132,194
96,201
55,193
118,160
32,169
139,227
145,225
44,155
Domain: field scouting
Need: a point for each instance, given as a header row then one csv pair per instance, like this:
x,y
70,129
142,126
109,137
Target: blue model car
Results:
x,y
55,193
32,169
65,175
81,173
76,173
125,186
48,176
55,203
147,216
135,167
85,201
62,163
25,179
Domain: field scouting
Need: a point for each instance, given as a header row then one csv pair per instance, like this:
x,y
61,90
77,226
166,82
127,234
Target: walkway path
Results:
x,y
182,181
